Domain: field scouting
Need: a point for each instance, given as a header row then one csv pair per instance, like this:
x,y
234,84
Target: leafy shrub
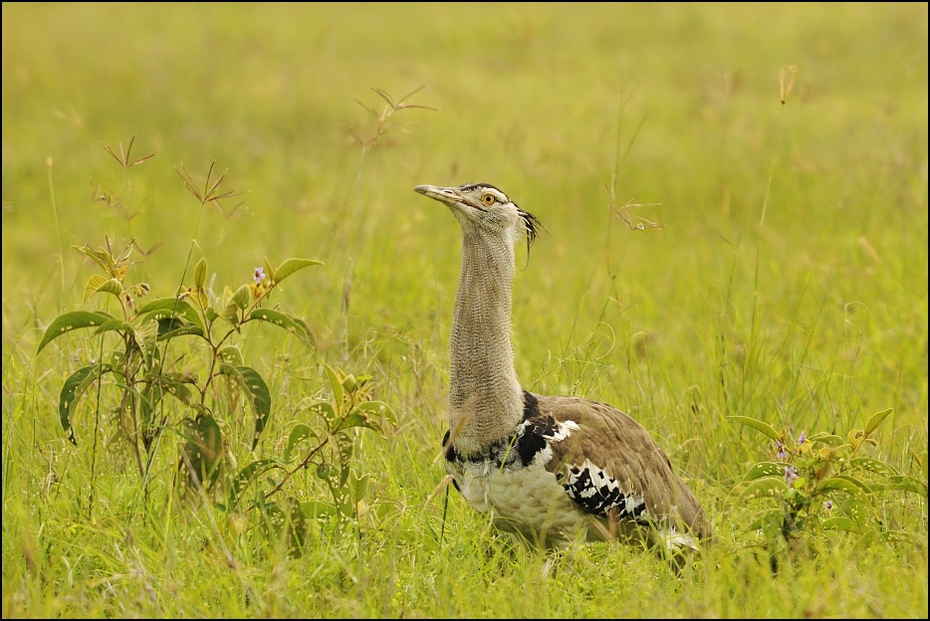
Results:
x,y
822,482
161,384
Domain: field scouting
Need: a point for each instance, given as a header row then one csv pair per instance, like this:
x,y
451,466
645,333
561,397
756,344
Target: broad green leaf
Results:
x,y
343,498
841,523
336,386
180,391
146,334
283,320
232,355
151,396
764,469
93,284
274,519
244,476
345,446
298,433
873,465
115,324
204,447
768,487
175,387
99,284
358,486
72,390
909,484
841,482
758,425
324,409
211,436
241,297
232,371
200,273
877,420
72,321
170,328
182,377
257,390
826,438
164,308
231,314
770,523
303,326
857,511
314,509
378,408
358,420
290,266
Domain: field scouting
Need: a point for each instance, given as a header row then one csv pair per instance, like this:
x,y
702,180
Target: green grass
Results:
x,y
813,320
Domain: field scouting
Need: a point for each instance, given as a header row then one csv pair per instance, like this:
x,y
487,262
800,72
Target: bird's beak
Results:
x,y
449,196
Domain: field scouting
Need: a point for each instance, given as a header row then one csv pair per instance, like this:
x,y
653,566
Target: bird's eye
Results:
x,y
488,199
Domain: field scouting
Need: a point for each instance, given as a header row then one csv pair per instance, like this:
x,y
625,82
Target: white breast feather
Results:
x,y
529,494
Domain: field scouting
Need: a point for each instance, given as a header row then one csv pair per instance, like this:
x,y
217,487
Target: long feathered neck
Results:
x,y
485,397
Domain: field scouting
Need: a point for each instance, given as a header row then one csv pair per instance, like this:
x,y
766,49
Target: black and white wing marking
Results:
x,y
612,468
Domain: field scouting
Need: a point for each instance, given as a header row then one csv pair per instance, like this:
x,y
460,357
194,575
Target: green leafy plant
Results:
x,y
142,365
325,442
147,355
822,482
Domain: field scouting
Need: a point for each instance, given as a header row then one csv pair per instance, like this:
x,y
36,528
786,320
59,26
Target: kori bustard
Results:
x,y
555,469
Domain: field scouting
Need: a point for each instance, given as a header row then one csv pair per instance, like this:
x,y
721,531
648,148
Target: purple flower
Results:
x,y
791,475
802,439
780,450
828,505
259,274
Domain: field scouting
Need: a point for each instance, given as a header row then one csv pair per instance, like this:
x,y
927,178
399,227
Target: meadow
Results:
x,y
735,204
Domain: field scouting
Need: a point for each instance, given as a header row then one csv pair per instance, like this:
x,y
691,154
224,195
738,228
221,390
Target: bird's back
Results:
x,y
613,469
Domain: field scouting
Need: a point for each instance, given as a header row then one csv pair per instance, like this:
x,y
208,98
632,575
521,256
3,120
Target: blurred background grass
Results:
x,y
679,326
532,98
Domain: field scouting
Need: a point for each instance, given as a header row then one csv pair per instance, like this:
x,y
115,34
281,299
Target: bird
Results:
x,y
554,469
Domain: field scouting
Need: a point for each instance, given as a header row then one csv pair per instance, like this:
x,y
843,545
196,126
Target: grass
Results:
x,y
813,318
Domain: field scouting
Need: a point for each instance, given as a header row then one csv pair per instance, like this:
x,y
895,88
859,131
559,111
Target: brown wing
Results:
x,y
612,464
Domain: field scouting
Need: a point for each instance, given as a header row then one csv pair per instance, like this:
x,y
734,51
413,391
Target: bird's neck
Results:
x,y
485,397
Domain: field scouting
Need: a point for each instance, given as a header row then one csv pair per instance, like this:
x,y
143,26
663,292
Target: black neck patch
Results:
x,y
449,448
530,405
530,438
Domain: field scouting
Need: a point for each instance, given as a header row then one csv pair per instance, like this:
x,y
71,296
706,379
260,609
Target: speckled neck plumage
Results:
x,y
485,398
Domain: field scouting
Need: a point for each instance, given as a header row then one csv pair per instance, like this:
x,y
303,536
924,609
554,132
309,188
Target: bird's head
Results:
x,y
483,207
